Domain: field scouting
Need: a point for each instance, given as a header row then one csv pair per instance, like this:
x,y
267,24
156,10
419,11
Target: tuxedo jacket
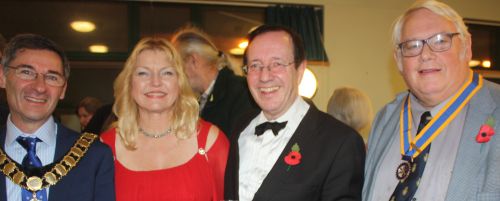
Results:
x,y
229,99
92,179
331,167
476,173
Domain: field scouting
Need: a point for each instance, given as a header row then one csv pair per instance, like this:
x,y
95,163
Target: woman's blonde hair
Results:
x,y
185,115
351,106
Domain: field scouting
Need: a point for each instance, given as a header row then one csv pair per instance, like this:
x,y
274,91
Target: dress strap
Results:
x,y
202,136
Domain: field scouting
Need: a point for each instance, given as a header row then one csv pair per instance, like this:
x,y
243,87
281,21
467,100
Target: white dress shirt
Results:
x,y
44,150
258,154
439,166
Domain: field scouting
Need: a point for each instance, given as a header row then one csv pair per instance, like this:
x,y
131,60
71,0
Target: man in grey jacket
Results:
x,y
453,153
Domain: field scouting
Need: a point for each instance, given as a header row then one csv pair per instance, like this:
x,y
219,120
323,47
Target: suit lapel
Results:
x,y
471,153
3,188
278,174
231,180
64,142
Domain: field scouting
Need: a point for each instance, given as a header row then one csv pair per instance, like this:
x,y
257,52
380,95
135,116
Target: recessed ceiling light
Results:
x,y
486,63
243,44
474,63
83,26
98,48
237,51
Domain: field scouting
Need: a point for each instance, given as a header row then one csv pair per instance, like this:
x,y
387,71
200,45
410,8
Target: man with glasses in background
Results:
x,y
437,141
39,158
289,150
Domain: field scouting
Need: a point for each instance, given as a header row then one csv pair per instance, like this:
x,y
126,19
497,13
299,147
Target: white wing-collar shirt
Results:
x,y
258,154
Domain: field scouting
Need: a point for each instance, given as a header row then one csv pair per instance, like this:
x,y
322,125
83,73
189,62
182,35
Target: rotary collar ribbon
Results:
x,y
51,176
412,147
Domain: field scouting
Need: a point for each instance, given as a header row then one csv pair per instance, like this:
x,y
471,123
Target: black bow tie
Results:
x,y
274,126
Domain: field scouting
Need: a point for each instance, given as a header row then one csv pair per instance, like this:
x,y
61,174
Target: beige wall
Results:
x,y
357,40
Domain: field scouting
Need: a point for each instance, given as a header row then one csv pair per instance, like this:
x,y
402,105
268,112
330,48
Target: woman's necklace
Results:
x,y
155,135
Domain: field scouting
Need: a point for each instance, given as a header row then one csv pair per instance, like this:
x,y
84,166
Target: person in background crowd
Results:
x,y
352,107
86,109
223,96
46,161
438,140
162,150
4,109
289,150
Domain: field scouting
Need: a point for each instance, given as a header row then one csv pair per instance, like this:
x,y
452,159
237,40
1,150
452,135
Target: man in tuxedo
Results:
x,y
289,150
40,159
453,154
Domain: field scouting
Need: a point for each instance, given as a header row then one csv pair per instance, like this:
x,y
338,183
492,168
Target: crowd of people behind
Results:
x,y
184,126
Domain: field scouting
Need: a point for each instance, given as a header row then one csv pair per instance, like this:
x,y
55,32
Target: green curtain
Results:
x,y
306,21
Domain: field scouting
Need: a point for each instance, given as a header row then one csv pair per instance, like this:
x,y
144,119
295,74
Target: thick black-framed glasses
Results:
x,y
28,73
437,43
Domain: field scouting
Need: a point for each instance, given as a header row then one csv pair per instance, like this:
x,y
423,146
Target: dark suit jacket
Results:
x,y
91,180
229,99
331,167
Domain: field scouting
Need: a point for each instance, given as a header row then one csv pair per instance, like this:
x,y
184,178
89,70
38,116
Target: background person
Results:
x,y
4,109
352,107
223,96
436,141
162,150
86,109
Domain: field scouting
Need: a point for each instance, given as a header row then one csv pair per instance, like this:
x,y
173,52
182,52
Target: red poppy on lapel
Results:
x,y
293,158
486,131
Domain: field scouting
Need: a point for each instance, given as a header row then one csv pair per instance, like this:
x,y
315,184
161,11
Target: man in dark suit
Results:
x,y
223,95
39,158
290,150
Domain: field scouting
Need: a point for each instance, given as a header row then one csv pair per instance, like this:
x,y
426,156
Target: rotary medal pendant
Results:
x,y
34,198
34,184
403,171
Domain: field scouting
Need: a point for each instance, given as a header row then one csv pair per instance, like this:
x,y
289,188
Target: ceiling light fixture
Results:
x,y
82,26
237,51
474,63
243,44
486,63
98,48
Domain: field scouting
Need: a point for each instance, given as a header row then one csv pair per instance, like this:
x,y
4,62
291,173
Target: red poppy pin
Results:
x,y
486,131
293,158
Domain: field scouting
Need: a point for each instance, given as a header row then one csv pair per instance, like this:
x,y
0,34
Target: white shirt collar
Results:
x,y
47,132
298,105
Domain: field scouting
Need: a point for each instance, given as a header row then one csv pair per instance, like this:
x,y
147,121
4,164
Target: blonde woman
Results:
x,y
162,150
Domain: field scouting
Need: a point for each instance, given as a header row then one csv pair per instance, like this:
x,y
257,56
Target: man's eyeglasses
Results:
x,y
29,74
275,66
437,43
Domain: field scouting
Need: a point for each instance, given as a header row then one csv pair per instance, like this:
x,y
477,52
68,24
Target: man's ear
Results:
x,y
398,58
193,60
63,93
300,71
468,48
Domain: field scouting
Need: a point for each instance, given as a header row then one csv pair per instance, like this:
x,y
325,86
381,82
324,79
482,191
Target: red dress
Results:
x,y
200,179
